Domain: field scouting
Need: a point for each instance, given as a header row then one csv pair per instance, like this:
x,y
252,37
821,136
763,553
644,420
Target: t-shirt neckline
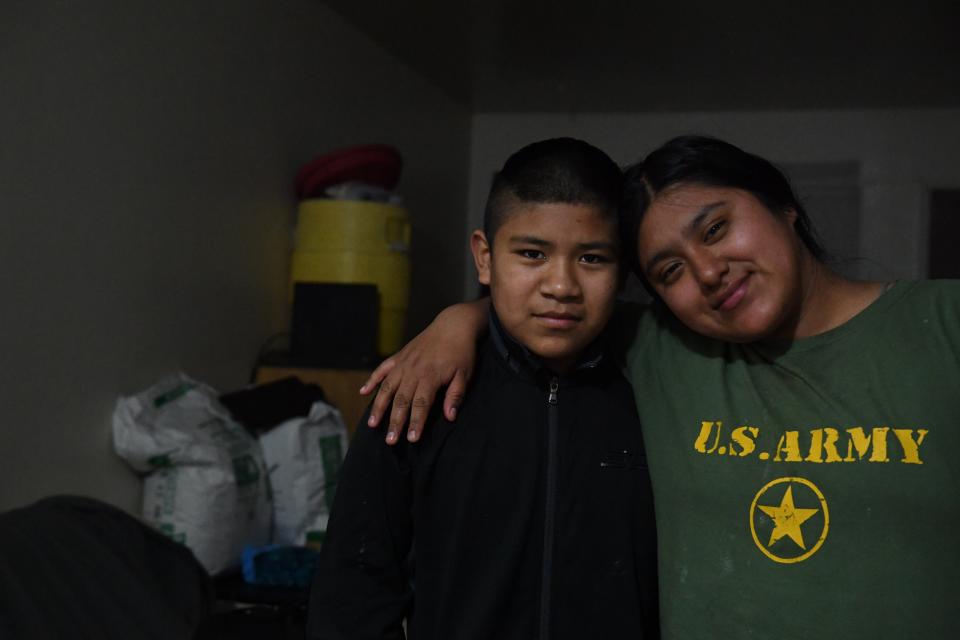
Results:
x,y
888,297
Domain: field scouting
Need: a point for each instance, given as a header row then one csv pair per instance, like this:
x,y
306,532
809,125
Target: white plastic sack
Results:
x,y
207,485
304,456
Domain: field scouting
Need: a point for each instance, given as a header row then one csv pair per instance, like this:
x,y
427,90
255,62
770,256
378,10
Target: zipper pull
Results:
x,y
554,385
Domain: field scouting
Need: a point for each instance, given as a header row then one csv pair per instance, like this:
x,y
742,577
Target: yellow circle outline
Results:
x,y
823,533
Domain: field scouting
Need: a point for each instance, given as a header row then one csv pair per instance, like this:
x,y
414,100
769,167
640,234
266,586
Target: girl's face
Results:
x,y
726,265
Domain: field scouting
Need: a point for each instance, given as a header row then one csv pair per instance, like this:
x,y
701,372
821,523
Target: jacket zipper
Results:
x,y
549,508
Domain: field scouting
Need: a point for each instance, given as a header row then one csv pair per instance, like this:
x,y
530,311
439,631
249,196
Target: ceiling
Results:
x,y
621,56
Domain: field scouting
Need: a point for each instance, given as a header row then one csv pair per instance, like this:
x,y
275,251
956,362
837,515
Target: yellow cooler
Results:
x,y
353,242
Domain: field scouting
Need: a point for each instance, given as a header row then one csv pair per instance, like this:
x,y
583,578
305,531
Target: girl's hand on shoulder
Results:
x,y
442,354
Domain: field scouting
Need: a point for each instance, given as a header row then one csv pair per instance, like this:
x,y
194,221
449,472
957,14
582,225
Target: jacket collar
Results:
x,y
520,359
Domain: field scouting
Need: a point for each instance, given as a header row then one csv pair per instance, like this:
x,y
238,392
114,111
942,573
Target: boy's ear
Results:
x,y
481,255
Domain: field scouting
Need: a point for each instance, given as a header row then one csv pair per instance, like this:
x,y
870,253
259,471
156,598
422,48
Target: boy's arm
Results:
x,y
361,588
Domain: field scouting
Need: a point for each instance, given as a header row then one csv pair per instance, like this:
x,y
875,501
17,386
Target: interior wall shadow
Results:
x,y
943,256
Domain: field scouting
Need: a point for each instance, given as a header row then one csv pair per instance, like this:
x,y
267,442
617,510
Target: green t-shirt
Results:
x,y
810,490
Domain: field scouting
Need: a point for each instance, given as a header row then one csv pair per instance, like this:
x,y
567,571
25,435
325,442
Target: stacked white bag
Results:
x,y
206,484
304,457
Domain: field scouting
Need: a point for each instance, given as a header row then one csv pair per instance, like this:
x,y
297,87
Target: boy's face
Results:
x,y
553,277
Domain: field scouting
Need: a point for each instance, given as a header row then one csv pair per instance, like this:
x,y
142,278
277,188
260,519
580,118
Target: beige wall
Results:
x,y
900,153
146,209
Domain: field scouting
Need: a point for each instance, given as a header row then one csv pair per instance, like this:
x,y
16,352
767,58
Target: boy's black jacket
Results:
x,y
462,518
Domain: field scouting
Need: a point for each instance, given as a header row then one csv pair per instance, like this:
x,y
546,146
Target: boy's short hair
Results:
x,y
558,170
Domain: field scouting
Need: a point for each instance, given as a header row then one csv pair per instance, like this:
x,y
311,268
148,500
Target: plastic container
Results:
x,y
345,241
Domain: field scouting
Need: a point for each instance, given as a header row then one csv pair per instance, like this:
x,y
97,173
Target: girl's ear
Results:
x,y
791,216
482,255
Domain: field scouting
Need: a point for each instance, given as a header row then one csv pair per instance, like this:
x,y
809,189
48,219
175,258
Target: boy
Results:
x,y
532,517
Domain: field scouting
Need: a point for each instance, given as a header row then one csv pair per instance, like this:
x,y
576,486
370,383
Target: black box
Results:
x,y
335,325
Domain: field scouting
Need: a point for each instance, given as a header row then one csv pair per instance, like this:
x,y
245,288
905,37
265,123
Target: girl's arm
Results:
x,y
442,354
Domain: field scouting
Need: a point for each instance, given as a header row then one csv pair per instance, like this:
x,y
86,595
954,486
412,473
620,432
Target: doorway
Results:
x,y
944,243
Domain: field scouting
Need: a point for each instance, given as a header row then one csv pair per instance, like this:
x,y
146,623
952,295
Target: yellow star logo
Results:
x,y
787,519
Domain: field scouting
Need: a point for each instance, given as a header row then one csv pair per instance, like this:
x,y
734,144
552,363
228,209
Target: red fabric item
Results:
x,y
376,164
